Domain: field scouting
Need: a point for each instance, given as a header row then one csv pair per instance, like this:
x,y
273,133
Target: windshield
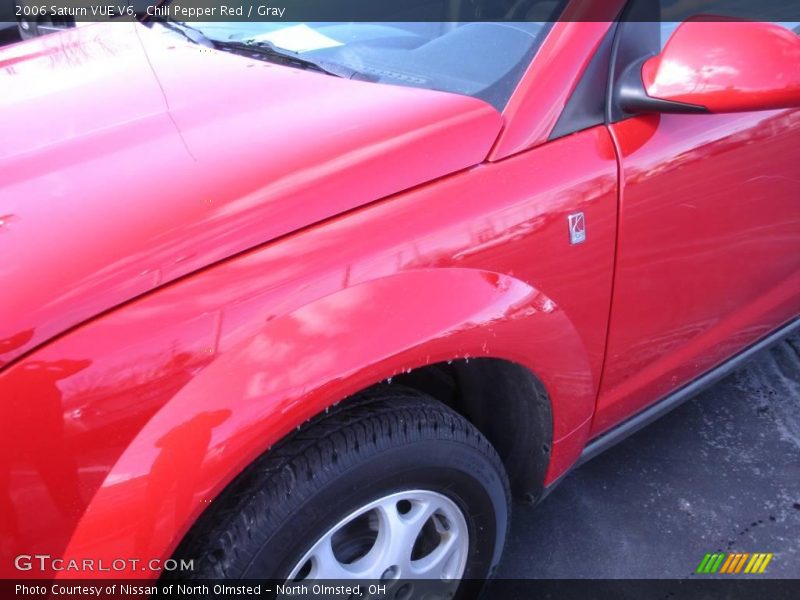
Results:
x,y
481,59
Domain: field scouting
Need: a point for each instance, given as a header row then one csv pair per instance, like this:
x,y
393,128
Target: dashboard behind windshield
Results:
x,y
483,59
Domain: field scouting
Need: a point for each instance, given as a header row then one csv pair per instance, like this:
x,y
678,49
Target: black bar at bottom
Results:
x,y
694,588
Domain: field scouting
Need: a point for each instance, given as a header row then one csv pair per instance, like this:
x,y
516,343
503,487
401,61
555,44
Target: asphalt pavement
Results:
x,y
721,473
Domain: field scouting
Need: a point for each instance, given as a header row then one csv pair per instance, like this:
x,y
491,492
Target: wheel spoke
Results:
x,y
325,565
373,564
401,522
400,531
438,564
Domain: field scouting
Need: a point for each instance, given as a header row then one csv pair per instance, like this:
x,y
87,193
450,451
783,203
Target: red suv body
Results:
x,y
203,251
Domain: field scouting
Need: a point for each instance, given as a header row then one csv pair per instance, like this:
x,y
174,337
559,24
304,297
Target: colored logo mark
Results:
x,y
733,563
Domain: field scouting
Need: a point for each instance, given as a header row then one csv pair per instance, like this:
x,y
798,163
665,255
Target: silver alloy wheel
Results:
x,y
411,535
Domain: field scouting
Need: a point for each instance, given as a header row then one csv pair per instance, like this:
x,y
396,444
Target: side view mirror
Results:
x,y
717,67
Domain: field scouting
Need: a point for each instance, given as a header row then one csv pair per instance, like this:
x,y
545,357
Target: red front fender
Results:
x,y
196,379
297,365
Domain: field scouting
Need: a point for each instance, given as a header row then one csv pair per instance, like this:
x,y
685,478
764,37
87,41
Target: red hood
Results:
x,y
130,158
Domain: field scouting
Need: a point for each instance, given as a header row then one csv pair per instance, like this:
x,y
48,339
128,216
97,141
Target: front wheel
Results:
x,y
392,487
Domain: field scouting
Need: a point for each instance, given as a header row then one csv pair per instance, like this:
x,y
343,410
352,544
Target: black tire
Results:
x,y
384,441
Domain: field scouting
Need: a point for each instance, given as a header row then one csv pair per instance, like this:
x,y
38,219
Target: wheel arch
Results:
x,y
507,403
496,335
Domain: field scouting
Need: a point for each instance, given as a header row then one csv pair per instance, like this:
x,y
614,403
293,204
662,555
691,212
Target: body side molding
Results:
x,y
675,399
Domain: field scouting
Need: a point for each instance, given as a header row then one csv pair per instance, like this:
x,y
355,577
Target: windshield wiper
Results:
x,y
292,59
266,50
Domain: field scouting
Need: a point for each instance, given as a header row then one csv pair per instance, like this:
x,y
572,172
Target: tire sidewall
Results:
x,y
447,467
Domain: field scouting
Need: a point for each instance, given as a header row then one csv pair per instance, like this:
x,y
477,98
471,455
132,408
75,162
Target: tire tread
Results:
x,y
262,497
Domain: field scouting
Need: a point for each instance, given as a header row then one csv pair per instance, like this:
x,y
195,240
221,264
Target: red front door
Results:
x,y
708,249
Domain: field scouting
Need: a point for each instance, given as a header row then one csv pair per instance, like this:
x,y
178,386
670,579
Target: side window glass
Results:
x,y
791,25
667,27
673,12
